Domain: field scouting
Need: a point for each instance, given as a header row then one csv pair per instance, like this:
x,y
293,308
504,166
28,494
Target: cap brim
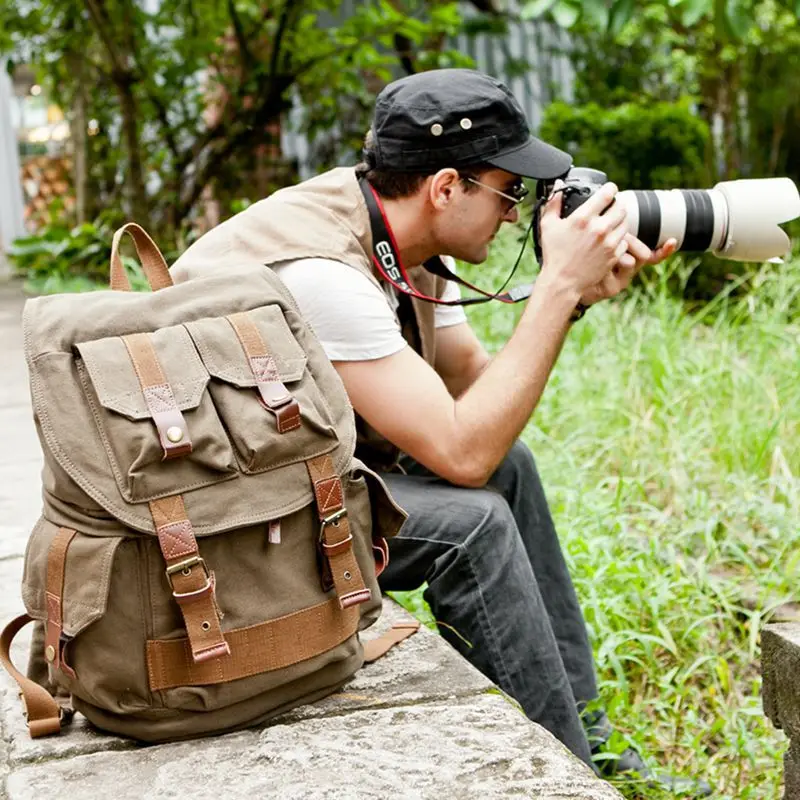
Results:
x,y
534,159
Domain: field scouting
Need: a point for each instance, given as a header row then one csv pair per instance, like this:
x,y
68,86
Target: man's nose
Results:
x,y
512,214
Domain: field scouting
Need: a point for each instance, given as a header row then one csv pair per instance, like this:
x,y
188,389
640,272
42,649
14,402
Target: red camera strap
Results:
x,y
386,258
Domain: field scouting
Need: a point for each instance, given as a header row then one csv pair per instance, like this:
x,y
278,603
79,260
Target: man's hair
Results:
x,y
393,185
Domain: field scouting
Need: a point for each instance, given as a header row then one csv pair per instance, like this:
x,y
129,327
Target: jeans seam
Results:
x,y
484,620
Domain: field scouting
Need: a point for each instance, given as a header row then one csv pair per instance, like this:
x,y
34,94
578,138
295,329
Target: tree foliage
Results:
x,y
187,93
736,58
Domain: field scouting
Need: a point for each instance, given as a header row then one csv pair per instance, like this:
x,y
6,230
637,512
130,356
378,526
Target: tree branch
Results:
x,y
241,39
283,23
246,129
102,22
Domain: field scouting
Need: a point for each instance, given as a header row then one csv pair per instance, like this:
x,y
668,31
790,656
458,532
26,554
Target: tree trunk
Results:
x,y
78,123
134,180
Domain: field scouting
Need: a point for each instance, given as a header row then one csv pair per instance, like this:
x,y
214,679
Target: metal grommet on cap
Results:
x,y
437,129
466,123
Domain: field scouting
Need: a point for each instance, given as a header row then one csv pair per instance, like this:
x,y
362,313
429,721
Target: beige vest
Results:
x,y
325,217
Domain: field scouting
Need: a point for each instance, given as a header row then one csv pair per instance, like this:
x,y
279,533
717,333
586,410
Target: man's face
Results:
x,y
468,223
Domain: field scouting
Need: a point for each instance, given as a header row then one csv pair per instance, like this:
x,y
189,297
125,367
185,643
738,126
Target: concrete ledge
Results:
x,y
780,666
474,748
418,723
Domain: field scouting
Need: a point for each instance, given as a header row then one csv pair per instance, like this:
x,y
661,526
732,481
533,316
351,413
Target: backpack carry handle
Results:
x,y
153,263
43,712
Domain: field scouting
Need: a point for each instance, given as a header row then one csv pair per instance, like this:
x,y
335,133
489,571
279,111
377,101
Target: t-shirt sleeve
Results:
x,y
350,315
445,316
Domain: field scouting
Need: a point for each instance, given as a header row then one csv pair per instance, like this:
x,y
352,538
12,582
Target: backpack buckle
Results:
x,y
185,567
333,519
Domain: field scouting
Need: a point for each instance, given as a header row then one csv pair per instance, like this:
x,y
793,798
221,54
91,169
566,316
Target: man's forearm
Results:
x,y
492,412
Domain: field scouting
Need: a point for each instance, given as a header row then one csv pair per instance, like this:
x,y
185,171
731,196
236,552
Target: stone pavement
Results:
x,y
419,723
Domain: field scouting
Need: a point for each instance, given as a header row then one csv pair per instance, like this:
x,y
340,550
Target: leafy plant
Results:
x,y
639,145
737,58
62,259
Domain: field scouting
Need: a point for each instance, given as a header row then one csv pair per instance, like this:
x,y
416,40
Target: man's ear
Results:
x,y
441,187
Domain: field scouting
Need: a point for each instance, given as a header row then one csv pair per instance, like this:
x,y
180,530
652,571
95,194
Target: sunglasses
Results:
x,y
515,195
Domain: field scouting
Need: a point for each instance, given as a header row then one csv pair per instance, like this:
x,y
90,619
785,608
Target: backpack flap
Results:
x,y
127,415
94,417
258,369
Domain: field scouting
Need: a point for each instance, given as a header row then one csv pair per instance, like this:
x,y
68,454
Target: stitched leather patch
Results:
x,y
329,495
167,509
177,539
288,417
264,368
53,608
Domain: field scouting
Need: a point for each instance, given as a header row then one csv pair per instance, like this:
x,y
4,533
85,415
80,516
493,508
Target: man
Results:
x,y
444,162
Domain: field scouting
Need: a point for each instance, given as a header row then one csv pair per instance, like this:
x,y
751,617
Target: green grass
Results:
x,y
669,445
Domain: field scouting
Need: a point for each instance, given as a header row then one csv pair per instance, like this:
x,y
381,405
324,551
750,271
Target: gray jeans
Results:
x,y
496,575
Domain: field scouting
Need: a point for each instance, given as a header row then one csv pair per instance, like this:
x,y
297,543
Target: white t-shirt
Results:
x,y
353,318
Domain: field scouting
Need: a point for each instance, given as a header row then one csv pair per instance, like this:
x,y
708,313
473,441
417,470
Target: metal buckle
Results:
x,y
333,519
187,564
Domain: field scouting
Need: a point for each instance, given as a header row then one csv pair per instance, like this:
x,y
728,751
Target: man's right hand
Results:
x,y
579,251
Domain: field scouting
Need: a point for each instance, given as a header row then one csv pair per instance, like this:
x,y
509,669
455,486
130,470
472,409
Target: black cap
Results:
x,y
457,118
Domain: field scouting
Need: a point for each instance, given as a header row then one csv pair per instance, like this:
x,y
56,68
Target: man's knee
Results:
x,y
497,529
518,466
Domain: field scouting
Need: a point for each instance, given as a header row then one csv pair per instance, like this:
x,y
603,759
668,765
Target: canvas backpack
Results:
x,y
209,545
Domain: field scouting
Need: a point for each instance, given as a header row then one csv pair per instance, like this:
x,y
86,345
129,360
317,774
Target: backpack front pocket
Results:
x,y
158,424
263,389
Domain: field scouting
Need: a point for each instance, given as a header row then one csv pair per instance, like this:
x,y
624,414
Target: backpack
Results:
x,y
209,546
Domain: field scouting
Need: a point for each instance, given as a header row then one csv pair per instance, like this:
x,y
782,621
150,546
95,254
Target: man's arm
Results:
x,y
460,357
464,440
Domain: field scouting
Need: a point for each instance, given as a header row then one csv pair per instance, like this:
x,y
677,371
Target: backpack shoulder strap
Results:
x,y
43,712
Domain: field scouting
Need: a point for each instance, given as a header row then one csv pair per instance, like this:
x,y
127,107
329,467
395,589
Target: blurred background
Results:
x,y
177,113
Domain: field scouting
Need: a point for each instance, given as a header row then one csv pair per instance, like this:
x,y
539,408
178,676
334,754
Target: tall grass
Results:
x,y
669,444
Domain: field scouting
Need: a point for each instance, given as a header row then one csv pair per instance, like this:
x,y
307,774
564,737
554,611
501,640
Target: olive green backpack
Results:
x,y
208,546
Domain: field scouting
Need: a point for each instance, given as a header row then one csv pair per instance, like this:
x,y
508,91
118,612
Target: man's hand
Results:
x,y
579,251
638,255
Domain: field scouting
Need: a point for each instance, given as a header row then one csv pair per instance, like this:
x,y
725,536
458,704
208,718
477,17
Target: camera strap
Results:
x,y
386,258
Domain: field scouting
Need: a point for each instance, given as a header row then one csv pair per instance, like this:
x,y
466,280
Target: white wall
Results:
x,y
11,224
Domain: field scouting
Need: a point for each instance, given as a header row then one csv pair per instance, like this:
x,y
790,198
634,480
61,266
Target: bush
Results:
x,y
639,146
63,259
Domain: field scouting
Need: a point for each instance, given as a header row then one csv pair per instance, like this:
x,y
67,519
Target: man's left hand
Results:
x,y
637,256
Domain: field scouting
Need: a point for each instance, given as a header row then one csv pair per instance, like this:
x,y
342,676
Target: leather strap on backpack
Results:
x,y
335,539
190,579
153,263
41,709
274,395
173,432
56,567
274,644
399,632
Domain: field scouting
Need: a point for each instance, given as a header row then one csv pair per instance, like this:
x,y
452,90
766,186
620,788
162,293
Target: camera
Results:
x,y
737,220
